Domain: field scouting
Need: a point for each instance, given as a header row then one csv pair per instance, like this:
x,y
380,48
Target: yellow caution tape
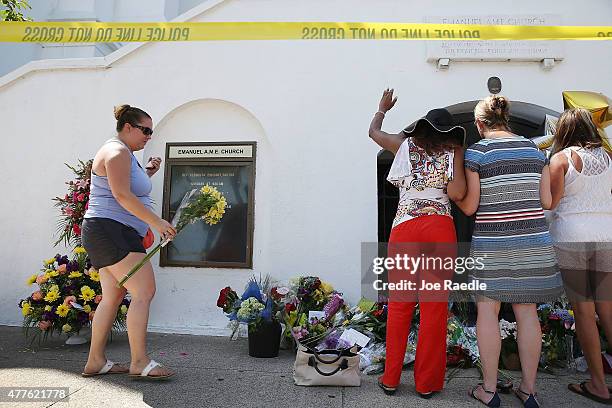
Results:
x,y
88,32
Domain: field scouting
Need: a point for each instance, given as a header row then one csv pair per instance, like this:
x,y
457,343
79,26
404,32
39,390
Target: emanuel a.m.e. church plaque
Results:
x,y
484,50
229,167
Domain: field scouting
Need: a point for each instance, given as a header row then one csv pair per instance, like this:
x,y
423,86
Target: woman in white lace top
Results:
x,y
581,186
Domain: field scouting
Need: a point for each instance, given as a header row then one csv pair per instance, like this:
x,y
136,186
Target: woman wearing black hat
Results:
x,y
428,170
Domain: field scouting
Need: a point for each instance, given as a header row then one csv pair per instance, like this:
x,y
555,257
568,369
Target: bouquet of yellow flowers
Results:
x,y
67,296
206,204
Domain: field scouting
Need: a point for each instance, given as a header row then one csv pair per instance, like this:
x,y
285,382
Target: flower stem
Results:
x,y
155,250
139,265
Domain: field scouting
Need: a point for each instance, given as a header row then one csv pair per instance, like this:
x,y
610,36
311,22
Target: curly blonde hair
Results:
x,y
494,112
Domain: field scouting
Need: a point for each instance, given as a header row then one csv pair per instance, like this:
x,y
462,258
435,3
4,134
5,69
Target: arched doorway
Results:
x,y
526,119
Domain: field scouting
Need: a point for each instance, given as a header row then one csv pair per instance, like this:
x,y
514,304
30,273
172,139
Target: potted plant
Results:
x,y
259,307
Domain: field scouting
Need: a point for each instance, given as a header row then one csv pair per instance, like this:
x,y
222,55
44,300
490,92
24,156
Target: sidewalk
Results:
x,y
216,372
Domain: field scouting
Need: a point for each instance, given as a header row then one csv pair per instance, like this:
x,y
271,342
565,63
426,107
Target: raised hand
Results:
x,y
387,101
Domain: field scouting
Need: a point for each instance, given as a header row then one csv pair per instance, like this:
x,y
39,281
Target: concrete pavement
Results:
x,y
217,372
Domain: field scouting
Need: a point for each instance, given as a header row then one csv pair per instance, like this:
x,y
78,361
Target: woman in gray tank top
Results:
x,y
115,223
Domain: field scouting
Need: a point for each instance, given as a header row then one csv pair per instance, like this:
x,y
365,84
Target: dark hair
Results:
x,y
576,128
493,111
129,114
434,144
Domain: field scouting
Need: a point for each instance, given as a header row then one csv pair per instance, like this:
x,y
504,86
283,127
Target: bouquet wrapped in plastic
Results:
x,y
206,204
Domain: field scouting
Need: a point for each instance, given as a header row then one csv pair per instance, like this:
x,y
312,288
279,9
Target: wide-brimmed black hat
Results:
x,y
438,121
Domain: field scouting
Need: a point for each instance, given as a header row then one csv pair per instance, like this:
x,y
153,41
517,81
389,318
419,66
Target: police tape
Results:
x,y
89,32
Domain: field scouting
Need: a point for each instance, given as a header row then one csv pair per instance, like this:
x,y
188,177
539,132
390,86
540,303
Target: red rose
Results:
x,y
227,298
81,197
455,356
223,296
76,229
275,294
289,307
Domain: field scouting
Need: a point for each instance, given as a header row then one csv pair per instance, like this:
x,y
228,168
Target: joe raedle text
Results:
x,y
446,285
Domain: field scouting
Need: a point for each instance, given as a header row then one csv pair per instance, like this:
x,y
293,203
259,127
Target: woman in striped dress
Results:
x,y
508,186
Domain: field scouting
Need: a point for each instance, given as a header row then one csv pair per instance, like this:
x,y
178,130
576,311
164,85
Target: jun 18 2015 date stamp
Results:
x,y
33,394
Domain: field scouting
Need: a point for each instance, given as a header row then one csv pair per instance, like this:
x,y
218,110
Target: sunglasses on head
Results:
x,y
147,131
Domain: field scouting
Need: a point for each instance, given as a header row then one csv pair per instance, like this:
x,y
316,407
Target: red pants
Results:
x,y
430,364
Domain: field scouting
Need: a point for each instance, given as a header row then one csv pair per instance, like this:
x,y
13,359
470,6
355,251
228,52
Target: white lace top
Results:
x,y
422,181
584,213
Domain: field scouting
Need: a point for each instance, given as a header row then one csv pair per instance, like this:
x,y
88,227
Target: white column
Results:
x,y
71,10
83,10
140,10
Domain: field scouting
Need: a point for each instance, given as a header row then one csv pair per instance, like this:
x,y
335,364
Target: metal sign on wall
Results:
x,y
495,50
209,151
229,167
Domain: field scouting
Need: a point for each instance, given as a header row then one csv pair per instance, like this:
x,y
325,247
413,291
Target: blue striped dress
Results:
x,y
511,234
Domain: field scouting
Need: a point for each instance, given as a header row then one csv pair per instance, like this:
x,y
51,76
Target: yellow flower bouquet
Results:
x,y
66,296
206,204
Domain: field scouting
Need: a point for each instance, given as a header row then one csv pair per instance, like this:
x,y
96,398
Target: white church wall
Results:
x,y
307,105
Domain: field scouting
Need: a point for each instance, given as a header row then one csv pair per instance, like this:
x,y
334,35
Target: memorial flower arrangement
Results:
x,y
65,298
260,302
558,336
74,204
369,318
332,316
507,331
462,347
206,204
309,294
310,331
558,332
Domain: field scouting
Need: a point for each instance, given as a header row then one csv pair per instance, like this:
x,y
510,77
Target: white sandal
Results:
x,y
145,372
106,369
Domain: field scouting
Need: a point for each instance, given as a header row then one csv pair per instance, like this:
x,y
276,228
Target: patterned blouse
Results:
x,y
422,180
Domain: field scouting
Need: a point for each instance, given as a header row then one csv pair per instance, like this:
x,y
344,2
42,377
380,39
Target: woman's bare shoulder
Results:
x,y
113,150
108,153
